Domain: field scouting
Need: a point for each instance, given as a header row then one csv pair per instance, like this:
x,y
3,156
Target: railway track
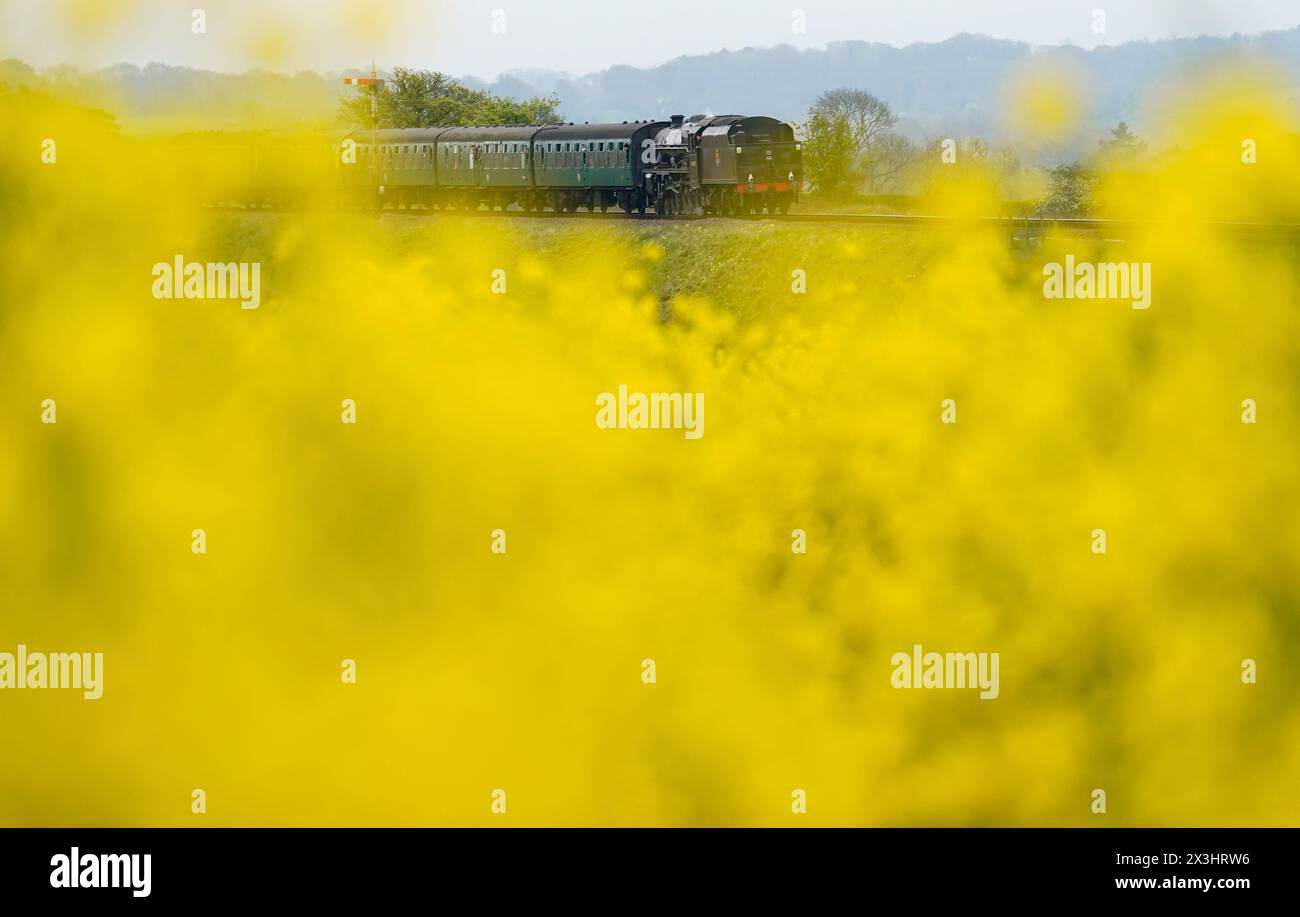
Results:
x,y
1118,230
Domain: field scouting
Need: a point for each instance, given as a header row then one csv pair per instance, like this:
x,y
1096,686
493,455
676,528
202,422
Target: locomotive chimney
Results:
x,y
677,120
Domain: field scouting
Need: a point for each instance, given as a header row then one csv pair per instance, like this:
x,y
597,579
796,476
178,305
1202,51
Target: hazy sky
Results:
x,y
486,37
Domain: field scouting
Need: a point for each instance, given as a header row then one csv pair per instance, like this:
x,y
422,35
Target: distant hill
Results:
x,y
159,97
949,88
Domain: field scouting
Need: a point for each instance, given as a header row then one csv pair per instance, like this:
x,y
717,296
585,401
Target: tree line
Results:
x,y
426,98
850,149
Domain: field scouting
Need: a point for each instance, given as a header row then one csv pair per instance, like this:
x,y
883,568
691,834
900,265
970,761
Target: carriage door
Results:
x,y
476,161
582,168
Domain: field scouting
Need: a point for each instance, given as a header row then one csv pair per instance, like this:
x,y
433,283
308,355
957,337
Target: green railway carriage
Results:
x,y
288,167
404,168
389,165
593,165
491,165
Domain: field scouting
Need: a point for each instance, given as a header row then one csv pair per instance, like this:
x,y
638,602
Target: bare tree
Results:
x,y
868,117
869,123
889,158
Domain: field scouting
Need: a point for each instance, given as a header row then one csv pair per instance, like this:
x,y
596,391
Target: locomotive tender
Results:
x,y
725,164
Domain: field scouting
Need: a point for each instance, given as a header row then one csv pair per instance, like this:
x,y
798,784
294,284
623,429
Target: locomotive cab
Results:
x,y
748,164
767,153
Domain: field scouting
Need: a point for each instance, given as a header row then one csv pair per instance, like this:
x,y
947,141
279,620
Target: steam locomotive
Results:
x,y
725,164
